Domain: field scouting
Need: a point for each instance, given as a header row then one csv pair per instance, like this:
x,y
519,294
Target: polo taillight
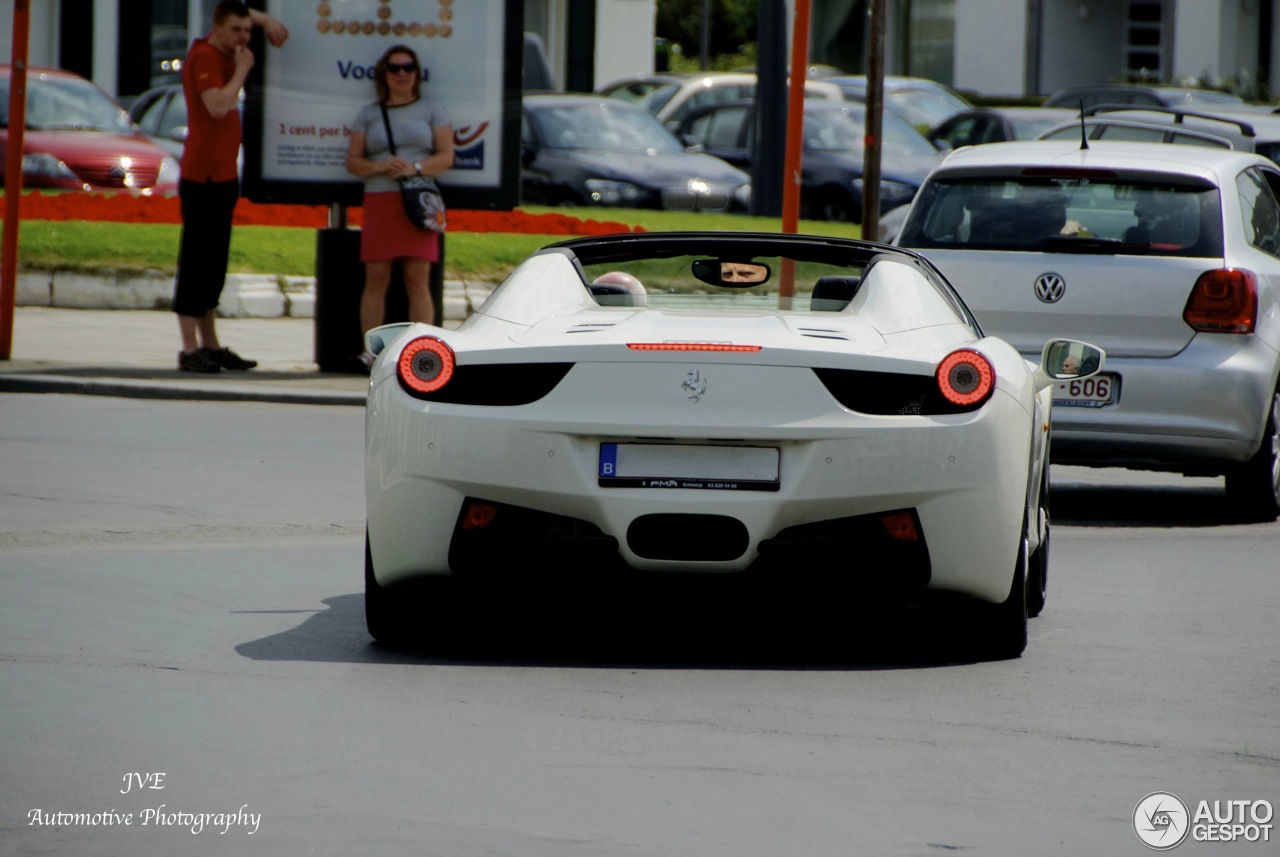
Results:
x,y
966,378
1223,301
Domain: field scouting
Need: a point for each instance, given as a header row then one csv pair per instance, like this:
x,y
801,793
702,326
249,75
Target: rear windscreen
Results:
x,y
1087,215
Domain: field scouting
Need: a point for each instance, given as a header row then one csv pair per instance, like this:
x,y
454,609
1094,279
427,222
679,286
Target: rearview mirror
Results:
x,y
724,273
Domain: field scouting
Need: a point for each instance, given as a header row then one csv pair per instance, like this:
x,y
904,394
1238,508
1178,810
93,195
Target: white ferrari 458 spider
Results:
x,y
733,403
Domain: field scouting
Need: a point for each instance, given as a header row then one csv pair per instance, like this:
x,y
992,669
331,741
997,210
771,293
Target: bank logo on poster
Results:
x,y
388,23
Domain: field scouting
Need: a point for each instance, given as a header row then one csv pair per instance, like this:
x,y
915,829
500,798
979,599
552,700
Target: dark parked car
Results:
x,y
161,114
79,138
917,100
831,163
997,125
1138,95
592,150
671,97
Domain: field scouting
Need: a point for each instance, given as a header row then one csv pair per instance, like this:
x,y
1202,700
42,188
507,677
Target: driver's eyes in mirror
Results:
x,y
742,272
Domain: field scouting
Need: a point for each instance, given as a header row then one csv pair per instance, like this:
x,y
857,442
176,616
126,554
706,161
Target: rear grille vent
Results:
x,y
688,538
822,333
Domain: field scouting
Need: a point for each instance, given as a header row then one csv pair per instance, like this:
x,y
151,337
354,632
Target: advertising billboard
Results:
x,y
306,93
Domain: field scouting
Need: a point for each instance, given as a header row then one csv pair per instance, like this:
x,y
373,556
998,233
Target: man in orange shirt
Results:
x,y
209,183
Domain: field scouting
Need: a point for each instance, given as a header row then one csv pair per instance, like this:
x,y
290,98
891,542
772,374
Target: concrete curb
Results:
x,y
244,296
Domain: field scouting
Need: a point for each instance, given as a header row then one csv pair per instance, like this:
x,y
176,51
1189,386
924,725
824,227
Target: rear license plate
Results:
x,y
672,465
1096,392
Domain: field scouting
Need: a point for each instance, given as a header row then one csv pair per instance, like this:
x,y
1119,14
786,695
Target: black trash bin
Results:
x,y
339,284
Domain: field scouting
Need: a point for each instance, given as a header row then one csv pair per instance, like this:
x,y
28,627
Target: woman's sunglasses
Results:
x,y
402,67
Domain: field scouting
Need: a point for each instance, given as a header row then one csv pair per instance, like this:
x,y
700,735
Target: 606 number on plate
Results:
x,y
1095,392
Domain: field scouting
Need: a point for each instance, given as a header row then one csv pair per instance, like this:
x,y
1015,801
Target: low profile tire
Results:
x,y
380,614
1038,564
414,613
837,207
1002,628
1253,488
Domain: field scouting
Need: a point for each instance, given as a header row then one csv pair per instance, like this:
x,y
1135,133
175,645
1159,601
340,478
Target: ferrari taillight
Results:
x,y
1223,301
426,364
966,378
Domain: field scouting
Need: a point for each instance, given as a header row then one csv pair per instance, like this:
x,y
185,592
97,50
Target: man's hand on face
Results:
x,y
244,58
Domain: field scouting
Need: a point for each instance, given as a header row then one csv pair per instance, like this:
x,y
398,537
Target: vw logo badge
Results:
x,y
1050,287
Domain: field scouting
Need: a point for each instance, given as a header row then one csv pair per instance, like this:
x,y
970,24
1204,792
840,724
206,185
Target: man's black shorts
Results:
x,y
206,240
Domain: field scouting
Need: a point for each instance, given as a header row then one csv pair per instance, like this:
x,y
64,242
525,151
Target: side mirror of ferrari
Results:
x,y
380,337
1068,360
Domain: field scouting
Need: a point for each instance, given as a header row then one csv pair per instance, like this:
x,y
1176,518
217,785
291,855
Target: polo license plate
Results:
x,y
1096,392
674,465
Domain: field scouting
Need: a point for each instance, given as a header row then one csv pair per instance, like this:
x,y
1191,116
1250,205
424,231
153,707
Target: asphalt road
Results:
x,y
182,645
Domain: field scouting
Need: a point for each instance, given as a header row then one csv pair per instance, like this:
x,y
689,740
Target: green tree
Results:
x,y
732,30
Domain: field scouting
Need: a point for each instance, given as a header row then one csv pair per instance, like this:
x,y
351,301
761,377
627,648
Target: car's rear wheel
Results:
x,y
380,613
1038,564
836,206
1002,628
417,612
1253,488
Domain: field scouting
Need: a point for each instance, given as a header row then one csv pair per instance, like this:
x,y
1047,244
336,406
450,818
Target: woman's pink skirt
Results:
x,y
388,234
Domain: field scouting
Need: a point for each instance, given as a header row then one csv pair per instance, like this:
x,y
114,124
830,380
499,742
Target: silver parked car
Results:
x,y
1166,256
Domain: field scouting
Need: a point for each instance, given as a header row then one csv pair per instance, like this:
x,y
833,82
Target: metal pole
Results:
x,y
769,138
13,175
704,51
875,104
795,139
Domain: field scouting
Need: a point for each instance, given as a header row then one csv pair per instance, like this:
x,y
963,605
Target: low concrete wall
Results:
x,y
243,296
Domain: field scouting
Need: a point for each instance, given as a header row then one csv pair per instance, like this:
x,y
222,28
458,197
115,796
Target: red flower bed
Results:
x,y
127,208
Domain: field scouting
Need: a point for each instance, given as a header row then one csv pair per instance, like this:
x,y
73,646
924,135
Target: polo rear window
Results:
x,y
1082,214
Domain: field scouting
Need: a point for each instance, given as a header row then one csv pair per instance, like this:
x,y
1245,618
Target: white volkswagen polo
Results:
x,y
1167,256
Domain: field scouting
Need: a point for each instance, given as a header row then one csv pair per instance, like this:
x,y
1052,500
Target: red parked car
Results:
x,y
79,138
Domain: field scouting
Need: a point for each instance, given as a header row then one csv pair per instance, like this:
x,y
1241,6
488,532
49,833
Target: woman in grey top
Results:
x,y
424,145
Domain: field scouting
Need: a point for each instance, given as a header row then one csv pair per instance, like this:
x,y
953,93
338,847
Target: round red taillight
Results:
x,y
426,364
965,377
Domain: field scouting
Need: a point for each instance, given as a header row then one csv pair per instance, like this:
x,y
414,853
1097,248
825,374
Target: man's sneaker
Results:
x,y
228,359
198,361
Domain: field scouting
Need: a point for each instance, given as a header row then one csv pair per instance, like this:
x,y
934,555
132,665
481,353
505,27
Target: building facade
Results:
x,y
995,47
1036,47
128,46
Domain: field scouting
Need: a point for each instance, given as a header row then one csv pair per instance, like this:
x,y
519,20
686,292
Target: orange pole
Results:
x,y
13,175
795,139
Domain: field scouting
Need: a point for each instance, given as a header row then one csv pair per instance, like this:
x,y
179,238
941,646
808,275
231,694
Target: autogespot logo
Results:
x,y
1161,821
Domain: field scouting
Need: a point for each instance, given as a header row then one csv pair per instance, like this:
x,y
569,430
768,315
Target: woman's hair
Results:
x,y
380,71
